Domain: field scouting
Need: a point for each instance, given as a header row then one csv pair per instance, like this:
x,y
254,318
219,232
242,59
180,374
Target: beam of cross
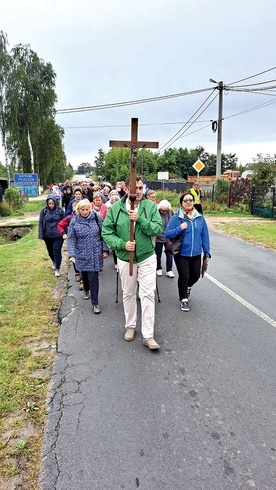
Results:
x,y
134,144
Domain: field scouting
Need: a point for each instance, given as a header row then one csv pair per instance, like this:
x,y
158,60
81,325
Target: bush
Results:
x,y
222,191
13,198
5,209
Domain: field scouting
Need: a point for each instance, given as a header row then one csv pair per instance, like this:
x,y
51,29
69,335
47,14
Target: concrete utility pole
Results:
x,y
220,87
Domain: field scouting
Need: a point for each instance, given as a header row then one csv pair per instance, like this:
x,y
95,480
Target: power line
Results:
x,y
253,76
175,137
130,102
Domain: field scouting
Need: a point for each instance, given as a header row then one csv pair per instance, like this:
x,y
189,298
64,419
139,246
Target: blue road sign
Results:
x,y
22,180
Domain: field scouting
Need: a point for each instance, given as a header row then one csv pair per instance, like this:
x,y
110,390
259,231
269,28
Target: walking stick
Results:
x,y
157,292
117,285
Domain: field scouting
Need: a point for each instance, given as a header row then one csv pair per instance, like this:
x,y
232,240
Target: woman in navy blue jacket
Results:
x,y
195,240
86,249
49,217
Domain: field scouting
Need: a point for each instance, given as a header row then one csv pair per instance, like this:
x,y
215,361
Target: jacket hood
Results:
x,y
53,198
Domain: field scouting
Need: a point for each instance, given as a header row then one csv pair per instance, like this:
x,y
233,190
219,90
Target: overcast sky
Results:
x,y
107,52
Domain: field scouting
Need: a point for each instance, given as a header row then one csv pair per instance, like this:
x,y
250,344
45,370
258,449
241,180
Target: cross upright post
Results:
x,y
134,144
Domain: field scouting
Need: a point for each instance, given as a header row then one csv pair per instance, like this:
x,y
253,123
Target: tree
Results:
x,y
30,98
100,163
84,168
4,64
264,170
31,138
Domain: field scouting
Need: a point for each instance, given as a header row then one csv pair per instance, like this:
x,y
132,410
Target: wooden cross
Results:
x,y
134,146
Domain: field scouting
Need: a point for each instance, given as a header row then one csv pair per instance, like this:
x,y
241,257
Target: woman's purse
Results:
x,y
173,246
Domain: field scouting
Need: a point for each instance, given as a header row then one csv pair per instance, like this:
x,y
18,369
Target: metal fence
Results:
x,y
160,185
263,202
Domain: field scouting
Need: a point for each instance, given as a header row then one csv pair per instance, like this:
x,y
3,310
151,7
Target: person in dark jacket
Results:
x,y
87,250
49,218
193,227
87,191
77,196
67,195
166,212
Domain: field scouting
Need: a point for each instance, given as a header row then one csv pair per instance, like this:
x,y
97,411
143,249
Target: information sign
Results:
x,y
23,180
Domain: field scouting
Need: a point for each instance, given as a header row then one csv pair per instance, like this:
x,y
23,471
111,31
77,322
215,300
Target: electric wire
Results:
x,y
130,102
253,76
176,137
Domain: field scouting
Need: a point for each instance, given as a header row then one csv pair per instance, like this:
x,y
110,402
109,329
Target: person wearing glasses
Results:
x,y
193,227
116,234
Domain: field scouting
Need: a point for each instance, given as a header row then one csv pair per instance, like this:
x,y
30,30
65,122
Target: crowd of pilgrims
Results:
x,y
76,200
75,212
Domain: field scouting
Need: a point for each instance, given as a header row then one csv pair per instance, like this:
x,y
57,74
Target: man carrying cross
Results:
x,y
116,234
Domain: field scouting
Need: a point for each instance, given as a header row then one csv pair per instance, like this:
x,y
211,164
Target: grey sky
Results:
x,y
106,52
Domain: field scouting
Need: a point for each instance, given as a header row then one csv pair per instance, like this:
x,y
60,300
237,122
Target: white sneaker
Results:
x,y
170,274
57,273
159,272
53,265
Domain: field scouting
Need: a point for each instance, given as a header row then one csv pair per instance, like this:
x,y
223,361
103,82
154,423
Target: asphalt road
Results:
x,y
198,414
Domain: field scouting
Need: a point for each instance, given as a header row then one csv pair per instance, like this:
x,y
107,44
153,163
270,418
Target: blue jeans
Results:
x,y
169,257
91,283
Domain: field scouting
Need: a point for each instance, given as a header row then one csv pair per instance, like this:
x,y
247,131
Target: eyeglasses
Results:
x,y
187,200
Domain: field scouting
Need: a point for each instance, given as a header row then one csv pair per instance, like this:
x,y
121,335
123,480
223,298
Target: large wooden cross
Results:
x,y
134,146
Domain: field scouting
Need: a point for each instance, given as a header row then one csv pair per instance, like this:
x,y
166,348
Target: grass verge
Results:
x,y
28,333
260,232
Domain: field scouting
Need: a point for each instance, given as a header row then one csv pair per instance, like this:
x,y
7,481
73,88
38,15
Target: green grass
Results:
x,y
27,319
259,231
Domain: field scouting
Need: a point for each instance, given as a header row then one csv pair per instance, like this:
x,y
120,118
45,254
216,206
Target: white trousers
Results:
x,y
145,274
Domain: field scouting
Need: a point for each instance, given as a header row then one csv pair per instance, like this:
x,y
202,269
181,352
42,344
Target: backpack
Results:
x,y
59,209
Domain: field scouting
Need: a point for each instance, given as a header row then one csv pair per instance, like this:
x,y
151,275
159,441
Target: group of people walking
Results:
x,y
92,231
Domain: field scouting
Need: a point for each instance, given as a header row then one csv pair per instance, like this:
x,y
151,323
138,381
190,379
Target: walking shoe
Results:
x,y
96,309
86,295
184,305
129,334
151,344
77,277
81,288
159,272
57,273
170,274
53,265
188,292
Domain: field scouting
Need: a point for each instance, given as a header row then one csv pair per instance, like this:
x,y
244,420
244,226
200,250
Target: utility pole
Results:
x,y
220,87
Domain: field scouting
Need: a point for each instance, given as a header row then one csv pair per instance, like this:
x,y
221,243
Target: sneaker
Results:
x,y
86,295
151,344
77,277
53,265
96,309
184,305
129,334
170,274
57,273
159,272
188,292
81,288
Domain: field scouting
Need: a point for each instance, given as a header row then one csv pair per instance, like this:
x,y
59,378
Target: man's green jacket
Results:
x,y
116,229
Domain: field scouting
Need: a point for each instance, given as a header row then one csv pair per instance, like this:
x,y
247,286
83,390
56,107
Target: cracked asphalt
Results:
x,y
198,414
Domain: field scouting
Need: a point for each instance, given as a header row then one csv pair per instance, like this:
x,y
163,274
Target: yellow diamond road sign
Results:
x,y
198,166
